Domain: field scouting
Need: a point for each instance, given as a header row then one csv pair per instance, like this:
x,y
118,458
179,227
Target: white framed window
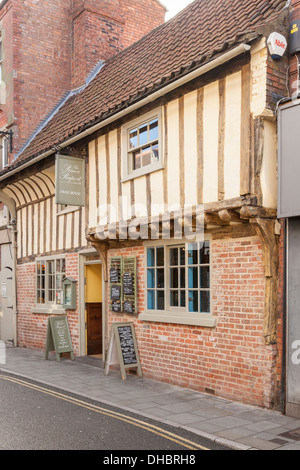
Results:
x,y
178,283
49,275
142,145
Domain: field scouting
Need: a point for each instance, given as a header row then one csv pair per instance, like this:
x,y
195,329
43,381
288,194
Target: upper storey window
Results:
x,y
143,145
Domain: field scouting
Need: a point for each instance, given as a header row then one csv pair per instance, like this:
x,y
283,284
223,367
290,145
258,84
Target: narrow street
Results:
x,y
35,417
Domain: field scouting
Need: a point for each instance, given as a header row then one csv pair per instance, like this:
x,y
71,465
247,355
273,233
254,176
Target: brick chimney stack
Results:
x,y
50,47
101,29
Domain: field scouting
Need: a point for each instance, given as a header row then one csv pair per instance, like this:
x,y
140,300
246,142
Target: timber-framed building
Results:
x,y
178,137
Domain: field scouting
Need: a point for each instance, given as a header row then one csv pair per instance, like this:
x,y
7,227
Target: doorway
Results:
x,y
93,310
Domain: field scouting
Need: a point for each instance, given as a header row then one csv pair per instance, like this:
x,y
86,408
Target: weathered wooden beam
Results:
x,y
232,231
228,216
213,219
266,230
247,212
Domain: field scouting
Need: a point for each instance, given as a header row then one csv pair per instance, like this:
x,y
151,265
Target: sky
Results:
x,y
174,6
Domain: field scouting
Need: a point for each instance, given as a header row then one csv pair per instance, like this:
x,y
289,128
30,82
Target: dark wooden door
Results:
x,y
94,328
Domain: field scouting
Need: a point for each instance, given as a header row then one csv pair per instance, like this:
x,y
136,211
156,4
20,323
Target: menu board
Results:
x,y
58,337
114,275
116,306
127,344
128,287
123,349
115,292
128,306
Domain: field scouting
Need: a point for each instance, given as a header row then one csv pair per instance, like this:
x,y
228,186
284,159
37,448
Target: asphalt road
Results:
x,y
36,417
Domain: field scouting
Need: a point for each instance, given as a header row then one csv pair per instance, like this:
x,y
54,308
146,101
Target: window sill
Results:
x,y
204,319
142,172
48,310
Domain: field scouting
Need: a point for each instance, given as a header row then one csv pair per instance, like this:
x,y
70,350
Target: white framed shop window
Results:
x,y
49,274
178,283
142,145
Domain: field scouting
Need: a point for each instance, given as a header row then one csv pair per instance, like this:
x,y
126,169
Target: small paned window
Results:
x,y
143,146
178,277
49,276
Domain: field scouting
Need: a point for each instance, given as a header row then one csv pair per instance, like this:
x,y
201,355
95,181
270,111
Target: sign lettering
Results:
x,y
69,180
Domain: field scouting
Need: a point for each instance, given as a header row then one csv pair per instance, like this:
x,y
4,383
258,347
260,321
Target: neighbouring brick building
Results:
x,y
48,49
168,125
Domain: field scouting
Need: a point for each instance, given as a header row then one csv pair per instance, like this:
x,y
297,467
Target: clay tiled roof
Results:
x,y
203,30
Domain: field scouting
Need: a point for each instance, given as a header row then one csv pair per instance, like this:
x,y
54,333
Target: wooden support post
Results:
x,y
266,229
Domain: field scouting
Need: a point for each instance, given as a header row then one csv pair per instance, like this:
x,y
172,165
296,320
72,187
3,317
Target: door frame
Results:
x,y
83,262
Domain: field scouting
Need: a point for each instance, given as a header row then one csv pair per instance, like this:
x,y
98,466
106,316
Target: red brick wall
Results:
x,y
230,360
43,50
32,327
294,15
102,29
140,16
42,58
277,69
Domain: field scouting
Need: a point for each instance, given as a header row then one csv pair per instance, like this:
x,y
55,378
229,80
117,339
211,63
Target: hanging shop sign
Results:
x,y
69,180
123,349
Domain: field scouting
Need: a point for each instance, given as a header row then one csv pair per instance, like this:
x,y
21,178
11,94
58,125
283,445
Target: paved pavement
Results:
x,y
238,426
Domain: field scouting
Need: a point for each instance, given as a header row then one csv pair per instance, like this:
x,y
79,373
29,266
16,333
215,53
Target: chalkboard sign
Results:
x,y
58,337
129,285
114,275
115,293
128,307
127,344
116,306
116,288
123,349
128,288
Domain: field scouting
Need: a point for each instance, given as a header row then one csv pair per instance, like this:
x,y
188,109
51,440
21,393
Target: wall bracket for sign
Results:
x,y
9,136
123,349
58,337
